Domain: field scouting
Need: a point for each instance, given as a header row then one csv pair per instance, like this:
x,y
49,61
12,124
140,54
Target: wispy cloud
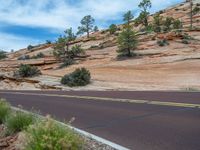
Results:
x,y
57,15
11,41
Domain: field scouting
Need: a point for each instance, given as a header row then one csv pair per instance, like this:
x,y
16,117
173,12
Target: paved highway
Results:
x,y
149,121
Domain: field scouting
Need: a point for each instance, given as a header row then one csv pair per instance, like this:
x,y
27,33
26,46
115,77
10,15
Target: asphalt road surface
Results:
x,y
156,121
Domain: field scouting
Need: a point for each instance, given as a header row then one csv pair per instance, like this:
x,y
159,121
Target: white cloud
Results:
x,y
10,41
58,15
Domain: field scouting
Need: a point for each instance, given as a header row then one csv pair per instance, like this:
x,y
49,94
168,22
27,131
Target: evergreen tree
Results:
x,y
112,28
168,23
128,17
143,17
193,12
61,46
177,24
2,54
75,51
87,25
70,36
96,29
157,22
127,41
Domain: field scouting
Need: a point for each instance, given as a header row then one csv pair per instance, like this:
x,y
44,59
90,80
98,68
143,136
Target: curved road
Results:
x,y
150,121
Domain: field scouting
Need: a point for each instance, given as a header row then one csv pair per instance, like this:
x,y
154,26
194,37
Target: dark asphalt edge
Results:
x,y
79,131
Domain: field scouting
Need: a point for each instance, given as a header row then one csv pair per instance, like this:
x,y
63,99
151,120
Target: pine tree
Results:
x,y
61,46
112,28
128,17
168,23
96,29
143,17
127,41
70,36
87,25
177,24
157,22
193,12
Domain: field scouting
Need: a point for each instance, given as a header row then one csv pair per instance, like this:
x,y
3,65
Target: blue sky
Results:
x,y
24,22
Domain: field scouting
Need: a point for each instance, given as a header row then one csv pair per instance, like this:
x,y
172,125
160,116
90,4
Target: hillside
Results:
x,y
172,67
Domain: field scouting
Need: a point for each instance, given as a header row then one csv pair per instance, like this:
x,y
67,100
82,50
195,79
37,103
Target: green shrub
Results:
x,y
149,28
18,121
122,56
96,29
177,24
94,47
4,110
112,28
75,51
176,9
48,42
168,22
187,37
67,63
30,47
39,55
24,57
48,135
101,45
27,71
80,77
2,55
103,32
185,41
161,12
163,42
157,23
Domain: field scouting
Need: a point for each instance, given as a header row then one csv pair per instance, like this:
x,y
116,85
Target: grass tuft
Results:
x,y
5,110
18,121
48,135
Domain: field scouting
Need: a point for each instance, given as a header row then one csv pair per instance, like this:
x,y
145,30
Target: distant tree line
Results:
x,y
127,39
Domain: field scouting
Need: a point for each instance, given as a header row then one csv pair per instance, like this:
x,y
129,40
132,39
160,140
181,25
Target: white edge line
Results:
x,y
82,132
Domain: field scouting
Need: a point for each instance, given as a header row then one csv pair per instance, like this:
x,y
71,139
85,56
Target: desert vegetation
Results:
x,y
37,56
2,54
80,77
112,28
18,121
127,39
144,5
193,11
30,47
162,39
87,24
4,110
36,133
27,71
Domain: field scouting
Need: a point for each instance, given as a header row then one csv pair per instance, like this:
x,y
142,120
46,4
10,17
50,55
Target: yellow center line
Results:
x,y
154,102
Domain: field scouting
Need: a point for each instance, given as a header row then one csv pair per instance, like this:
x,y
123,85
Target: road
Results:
x,y
156,121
